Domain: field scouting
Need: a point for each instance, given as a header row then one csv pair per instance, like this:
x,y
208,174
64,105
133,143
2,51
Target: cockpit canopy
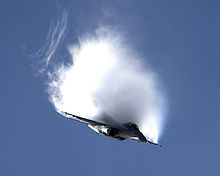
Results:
x,y
132,125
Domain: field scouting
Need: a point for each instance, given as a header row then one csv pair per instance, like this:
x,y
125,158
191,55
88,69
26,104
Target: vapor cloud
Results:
x,y
106,76
56,33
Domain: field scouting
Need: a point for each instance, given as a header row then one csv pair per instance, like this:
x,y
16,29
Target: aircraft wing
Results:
x,y
154,143
83,120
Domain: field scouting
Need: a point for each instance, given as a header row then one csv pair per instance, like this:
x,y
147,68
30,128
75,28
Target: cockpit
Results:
x,y
133,125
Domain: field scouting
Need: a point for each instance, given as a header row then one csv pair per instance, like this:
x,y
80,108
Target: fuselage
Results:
x,y
112,128
124,131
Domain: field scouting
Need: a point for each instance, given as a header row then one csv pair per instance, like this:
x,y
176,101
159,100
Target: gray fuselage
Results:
x,y
124,131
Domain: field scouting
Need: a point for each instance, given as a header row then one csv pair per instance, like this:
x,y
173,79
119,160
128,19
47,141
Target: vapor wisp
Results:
x,y
106,76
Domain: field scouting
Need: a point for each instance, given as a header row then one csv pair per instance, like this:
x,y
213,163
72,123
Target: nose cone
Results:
x,y
142,138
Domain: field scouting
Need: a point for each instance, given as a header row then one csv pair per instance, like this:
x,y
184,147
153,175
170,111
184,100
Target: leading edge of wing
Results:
x,y
81,119
154,143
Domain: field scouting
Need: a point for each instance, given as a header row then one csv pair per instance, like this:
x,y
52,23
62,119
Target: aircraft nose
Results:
x,y
142,138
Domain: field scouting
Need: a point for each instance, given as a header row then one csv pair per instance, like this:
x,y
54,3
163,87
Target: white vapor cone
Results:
x,y
106,76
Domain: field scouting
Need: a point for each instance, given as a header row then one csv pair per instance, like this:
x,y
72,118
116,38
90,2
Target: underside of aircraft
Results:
x,y
114,129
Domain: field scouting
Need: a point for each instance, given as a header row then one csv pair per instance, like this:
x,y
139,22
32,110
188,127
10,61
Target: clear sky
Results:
x,y
179,39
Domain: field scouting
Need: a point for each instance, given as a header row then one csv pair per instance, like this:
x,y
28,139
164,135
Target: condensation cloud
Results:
x,y
107,76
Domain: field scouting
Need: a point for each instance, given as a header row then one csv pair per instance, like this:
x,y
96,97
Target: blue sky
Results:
x,y
180,41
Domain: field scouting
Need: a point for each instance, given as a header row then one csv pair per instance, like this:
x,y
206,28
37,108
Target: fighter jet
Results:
x,y
113,129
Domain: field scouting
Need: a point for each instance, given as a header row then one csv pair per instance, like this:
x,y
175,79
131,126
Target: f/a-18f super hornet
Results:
x,y
113,129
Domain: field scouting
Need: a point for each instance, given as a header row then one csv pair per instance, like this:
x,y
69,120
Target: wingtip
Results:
x,y
62,112
159,145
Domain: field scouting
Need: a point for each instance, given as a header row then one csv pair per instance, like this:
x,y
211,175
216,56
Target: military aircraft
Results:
x,y
113,129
